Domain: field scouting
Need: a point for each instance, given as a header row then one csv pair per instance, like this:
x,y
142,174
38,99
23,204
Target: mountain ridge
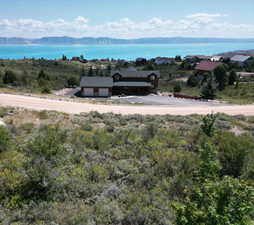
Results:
x,y
108,40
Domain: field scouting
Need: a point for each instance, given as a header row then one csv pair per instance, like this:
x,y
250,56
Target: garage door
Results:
x,y
88,92
103,92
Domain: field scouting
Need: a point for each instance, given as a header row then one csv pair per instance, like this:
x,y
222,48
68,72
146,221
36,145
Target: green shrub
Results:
x,y
9,77
177,88
45,90
6,143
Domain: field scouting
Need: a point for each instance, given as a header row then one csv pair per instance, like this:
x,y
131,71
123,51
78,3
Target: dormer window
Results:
x,y
152,77
117,77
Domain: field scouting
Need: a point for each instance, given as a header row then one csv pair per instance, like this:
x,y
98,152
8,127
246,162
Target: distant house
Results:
x,y
96,86
216,58
164,60
129,81
133,81
197,58
241,60
140,61
207,66
245,76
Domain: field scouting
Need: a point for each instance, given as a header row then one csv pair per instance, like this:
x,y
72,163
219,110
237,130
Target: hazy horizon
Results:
x,y
141,37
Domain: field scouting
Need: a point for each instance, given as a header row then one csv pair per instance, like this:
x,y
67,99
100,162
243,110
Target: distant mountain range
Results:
x,y
238,52
106,40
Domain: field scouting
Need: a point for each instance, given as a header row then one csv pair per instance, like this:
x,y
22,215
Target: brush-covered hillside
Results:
x,y
125,170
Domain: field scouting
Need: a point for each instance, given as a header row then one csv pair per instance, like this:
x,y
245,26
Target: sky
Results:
x,y
127,19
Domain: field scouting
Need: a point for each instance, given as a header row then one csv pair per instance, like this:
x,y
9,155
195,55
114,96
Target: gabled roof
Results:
x,y
207,65
240,58
164,58
202,57
96,82
245,74
133,73
132,84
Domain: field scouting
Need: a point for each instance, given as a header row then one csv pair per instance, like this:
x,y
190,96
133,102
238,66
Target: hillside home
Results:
x,y
197,58
164,60
216,58
128,81
246,76
206,67
241,60
96,86
131,81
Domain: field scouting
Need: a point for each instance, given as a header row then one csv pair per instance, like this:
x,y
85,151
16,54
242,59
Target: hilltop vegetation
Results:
x,y
35,75
125,170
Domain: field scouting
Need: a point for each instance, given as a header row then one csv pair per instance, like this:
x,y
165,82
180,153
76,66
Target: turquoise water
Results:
x,y
127,52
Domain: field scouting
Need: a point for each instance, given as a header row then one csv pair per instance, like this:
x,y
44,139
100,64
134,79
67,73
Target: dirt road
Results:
x,y
76,107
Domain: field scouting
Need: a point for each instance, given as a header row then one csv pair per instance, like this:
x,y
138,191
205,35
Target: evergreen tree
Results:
x,y
221,77
9,77
208,125
90,72
177,88
178,58
64,58
208,91
232,78
193,81
43,76
72,81
1,79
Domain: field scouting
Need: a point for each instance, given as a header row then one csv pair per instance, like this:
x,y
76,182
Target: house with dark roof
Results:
x,y
197,58
129,81
96,86
133,81
164,60
241,60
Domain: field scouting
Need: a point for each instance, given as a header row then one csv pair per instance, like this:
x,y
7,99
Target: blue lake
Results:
x,y
127,52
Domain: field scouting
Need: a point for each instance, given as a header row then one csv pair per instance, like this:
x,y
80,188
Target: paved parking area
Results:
x,y
164,100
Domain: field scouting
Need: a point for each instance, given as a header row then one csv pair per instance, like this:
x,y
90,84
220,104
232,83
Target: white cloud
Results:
x,y
196,25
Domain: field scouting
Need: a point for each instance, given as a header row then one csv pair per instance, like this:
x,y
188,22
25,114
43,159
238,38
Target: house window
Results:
x,y
117,77
152,77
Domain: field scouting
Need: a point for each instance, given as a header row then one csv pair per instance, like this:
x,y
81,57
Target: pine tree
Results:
x,y
9,77
208,125
43,76
90,72
221,77
232,78
208,91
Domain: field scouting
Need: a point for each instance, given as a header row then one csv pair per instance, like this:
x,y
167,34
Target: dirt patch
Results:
x,y
237,131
